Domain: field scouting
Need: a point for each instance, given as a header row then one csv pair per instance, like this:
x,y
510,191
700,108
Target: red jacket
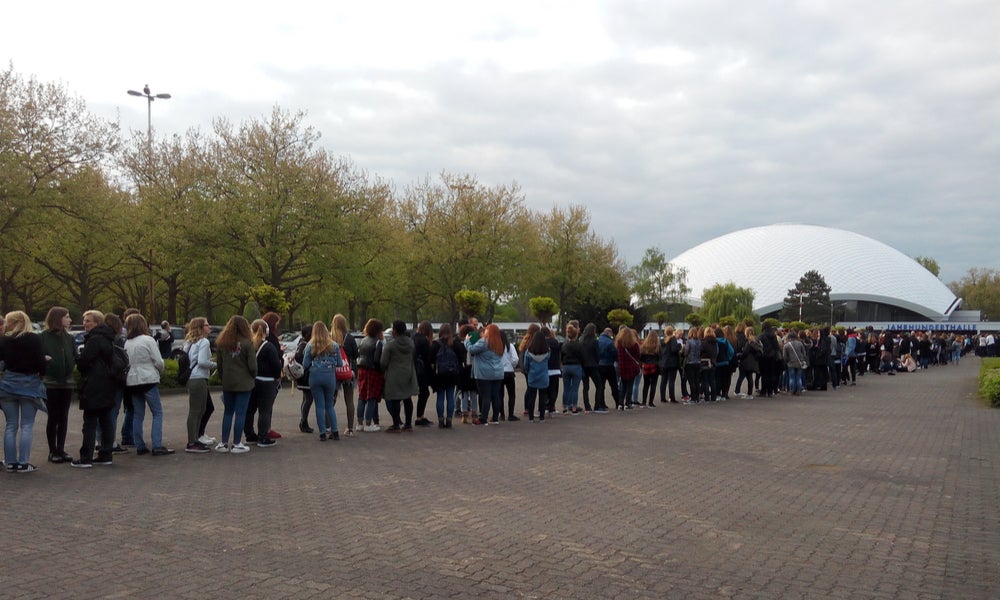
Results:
x,y
628,362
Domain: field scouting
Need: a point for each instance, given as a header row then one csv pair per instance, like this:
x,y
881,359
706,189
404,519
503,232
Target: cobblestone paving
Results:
x,y
889,489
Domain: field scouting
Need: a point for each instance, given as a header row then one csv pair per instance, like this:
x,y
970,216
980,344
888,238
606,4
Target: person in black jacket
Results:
x,y
422,339
97,390
669,364
267,381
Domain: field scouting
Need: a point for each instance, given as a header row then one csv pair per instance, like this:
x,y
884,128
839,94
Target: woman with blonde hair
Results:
x,y
342,336
22,392
627,346
267,382
98,390
649,356
322,357
488,351
143,381
572,369
237,368
199,352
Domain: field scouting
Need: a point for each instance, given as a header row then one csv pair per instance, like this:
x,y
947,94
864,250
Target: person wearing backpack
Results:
x,y
199,352
143,381
97,390
446,365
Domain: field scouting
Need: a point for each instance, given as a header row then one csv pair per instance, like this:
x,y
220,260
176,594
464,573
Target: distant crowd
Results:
x,y
470,369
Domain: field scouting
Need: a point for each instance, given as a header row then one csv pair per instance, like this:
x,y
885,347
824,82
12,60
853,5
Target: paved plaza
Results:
x,y
890,489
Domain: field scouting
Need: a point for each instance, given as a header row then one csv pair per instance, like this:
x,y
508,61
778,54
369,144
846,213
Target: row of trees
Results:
x,y
257,216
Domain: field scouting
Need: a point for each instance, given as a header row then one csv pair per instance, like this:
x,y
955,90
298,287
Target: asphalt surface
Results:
x,y
889,489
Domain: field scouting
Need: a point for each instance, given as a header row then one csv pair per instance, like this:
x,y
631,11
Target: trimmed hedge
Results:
x,y
989,381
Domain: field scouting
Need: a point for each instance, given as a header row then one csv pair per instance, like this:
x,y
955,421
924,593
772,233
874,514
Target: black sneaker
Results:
x,y
512,418
26,468
335,436
305,428
161,451
118,449
141,451
102,460
266,443
81,464
196,448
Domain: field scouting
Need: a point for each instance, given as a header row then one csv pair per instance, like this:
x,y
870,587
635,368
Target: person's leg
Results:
x,y
156,409
28,412
529,402
197,394
209,409
509,387
58,403
128,404
240,414
265,406
497,398
321,388
116,410
228,416
439,405
423,393
450,393
90,422
304,408
348,389
393,408
107,427
408,412
553,392
251,415
138,414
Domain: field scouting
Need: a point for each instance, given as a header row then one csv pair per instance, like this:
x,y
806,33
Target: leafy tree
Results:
x,y
269,299
929,263
620,316
656,282
660,318
728,320
980,290
771,322
726,299
694,320
810,297
543,308
472,303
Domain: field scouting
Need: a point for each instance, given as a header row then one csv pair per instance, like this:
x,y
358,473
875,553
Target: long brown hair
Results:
x,y
338,328
236,329
259,330
530,333
135,325
321,340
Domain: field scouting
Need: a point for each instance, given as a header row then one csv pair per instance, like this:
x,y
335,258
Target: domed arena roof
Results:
x,y
770,260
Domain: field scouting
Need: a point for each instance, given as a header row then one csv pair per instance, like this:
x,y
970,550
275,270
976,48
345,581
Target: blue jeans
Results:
x,y
139,402
449,393
324,388
572,376
795,382
368,411
20,414
235,414
114,415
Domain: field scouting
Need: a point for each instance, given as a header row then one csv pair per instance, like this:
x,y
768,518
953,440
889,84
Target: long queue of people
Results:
x,y
471,370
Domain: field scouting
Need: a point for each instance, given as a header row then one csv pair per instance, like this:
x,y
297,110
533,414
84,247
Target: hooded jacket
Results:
x,y
536,370
97,386
397,365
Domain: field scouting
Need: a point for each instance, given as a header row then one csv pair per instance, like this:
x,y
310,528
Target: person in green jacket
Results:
x,y
60,356
237,368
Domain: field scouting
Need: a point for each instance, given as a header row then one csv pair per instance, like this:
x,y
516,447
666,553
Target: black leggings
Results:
x,y
649,388
58,401
668,379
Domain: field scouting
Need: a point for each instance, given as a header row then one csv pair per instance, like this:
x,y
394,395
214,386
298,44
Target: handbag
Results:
x,y
344,372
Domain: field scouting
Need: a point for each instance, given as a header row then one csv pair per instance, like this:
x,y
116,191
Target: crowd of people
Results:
x,y
472,370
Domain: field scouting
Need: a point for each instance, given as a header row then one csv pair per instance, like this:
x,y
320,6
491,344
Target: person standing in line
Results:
x,y
303,382
322,357
668,361
165,339
97,390
273,321
509,387
487,352
572,369
370,379
267,382
128,410
468,394
591,373
555,367
692,367
341,334
115,323
422,339
447,357
400,377
649,356
770,357
143,381
794,355
199,352
237,368
535,366
22,392
606,358
724,362
522,348
60,352
627,346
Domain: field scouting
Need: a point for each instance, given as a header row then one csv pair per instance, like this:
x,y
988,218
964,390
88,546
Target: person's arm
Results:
x,y
154,353
205,355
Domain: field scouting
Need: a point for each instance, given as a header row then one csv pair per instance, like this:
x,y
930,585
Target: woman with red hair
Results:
x,y
488,370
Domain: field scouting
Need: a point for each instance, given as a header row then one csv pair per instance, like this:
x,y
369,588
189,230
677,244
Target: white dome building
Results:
x,y
869,281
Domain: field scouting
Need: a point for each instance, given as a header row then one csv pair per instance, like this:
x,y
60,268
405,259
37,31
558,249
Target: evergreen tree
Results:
x,y
812,295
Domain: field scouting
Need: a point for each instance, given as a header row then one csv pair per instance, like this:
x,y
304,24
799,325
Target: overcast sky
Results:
x,y
673,122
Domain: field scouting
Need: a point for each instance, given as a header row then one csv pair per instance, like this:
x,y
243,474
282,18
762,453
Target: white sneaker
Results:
x,y
207,440
372,428
222,447
240,449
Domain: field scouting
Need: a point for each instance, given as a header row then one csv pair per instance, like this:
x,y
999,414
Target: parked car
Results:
x,y
178,346
289,342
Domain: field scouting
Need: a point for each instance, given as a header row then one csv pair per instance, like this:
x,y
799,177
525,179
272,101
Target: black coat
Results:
x,y
97,386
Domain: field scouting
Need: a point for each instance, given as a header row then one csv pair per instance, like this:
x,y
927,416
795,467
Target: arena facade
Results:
x,y
870,282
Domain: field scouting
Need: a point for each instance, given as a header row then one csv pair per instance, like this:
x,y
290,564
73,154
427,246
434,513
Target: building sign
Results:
x,y
932,326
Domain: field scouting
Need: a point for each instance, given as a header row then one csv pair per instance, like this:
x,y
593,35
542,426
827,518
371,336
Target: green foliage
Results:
x,y
980,290
472,303
772,322
797,325
989,381
543,308
727,299
655,282
620,316
694,320
929,263
810,297
728,320
269,298
660,318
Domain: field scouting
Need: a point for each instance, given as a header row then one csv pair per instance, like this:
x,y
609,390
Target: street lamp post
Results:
x,y
145,93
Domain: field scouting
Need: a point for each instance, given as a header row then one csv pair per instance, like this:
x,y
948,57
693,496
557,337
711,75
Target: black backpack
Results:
x,y
119,364
447,361
183,368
